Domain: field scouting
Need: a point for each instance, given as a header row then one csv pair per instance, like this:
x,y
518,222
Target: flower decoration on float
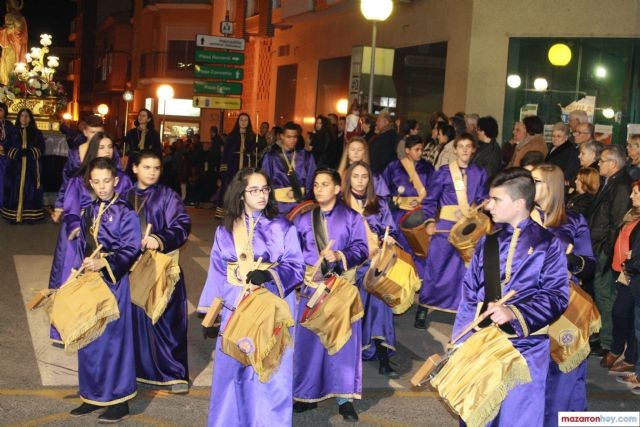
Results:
x,y
34,77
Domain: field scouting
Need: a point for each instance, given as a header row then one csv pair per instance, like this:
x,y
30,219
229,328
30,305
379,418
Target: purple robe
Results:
x,y
273,166
238,398
377,323
398,182
161,349
78,198
568,391
381,188
539,275
23,189
106,367
444,268
316,375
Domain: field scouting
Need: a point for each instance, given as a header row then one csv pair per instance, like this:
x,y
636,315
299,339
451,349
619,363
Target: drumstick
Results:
x,y
246,286
483,316
147,231
384,240
569,249
318,263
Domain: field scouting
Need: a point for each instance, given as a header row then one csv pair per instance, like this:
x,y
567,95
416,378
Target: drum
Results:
x,y
569,335
412,225
331,317
466,233
153,278
393,279
479,374
81,309
257,332
301,208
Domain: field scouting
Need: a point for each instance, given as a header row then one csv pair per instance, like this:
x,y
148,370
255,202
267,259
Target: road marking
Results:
x,y
55,366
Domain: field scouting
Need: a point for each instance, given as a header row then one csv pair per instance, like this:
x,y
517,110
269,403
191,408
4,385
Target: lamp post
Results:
x,y
374,11
127,96
164,92
103,110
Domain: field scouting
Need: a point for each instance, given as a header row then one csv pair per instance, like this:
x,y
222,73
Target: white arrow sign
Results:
x,y
203,40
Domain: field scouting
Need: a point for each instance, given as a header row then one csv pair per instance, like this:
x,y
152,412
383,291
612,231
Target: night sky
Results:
x,y
46,16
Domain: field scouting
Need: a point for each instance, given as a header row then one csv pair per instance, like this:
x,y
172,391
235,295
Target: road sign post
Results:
x,y
221,102
223,73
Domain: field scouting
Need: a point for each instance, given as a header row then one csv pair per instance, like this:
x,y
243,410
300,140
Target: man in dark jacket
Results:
x,y
382,150
609,208
488,155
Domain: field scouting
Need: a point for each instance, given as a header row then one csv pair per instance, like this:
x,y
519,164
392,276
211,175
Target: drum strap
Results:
x,y
492,287
410,168
290,170
460,185
320,234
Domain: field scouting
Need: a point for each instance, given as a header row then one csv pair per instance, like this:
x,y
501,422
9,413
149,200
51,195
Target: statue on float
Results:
x,y
13,39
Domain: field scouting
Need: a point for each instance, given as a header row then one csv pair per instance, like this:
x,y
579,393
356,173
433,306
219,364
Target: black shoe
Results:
x,y
348,412
115,413
299,407
84,409
421,318
385,369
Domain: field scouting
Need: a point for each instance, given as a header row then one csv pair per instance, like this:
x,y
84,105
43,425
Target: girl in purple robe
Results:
x,y
564,391
317,375
405,196
79,197
238,398
106,367
6,129
444,268
378,331
161,349
357,150
23,191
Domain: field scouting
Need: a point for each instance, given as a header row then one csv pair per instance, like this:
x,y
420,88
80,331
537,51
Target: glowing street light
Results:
x,y
164,92
127,96
514,81
374,11
540,84
103,109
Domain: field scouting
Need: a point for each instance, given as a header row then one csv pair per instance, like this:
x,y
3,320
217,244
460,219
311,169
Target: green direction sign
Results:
x,y
209,57
220,88
213,72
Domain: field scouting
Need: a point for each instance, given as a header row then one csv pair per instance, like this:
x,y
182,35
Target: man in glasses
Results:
x,y
583,132
609,208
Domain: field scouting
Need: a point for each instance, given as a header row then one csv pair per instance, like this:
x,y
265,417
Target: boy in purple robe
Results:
x,y
378,331
532,263
160,348
317,375
407,195
78,197
290,170
106,367
444,268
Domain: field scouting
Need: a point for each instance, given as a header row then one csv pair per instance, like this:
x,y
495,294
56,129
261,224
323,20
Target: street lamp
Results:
x,y
164,92
127,96
103,109
374,11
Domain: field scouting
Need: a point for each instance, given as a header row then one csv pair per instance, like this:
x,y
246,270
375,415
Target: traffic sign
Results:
x,y
212,57
219,102
226,27
220,88
203,40
213,72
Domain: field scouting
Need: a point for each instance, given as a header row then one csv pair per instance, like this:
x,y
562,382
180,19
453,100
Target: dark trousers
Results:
x,y
623,324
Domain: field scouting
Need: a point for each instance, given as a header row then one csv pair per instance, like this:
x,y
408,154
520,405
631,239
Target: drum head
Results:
x,y
469,228
413,218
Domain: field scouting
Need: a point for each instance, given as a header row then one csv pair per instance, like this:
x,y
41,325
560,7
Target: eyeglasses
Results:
x,y
577,132
538,181
255,191
604,160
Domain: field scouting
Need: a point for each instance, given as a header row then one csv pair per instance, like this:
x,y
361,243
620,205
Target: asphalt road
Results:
x,y
38,382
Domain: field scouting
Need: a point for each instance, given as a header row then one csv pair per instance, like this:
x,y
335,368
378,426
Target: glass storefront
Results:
x,y
602,75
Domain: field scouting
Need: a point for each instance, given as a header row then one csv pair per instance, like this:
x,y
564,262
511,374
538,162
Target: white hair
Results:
x,y
579,115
